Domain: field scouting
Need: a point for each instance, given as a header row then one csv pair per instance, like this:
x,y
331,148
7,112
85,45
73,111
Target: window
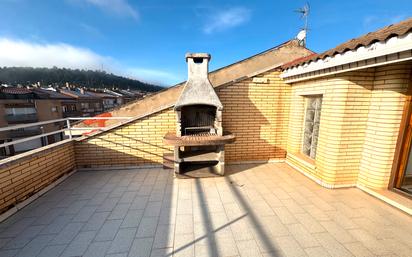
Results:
x,y
20,111
311,125
84,105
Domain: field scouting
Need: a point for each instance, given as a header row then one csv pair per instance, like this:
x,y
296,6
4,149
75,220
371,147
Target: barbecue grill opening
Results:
x,y
198,120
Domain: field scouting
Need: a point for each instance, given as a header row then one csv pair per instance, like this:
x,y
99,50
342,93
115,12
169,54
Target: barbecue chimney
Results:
x,y
199,137
198,89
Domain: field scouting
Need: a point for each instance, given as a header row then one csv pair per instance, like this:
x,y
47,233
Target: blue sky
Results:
x,y
148,39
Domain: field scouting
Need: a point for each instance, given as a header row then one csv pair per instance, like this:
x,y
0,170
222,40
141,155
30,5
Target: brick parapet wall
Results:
x,y
23,175
136,143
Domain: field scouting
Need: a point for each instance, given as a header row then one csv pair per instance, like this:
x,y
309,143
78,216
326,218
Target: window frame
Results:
x,y
305,110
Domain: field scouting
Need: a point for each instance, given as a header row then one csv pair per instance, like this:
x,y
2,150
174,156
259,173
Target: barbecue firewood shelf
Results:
x,y
198,149
198,156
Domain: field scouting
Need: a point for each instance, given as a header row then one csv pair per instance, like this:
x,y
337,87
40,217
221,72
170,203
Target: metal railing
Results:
x,y
68,128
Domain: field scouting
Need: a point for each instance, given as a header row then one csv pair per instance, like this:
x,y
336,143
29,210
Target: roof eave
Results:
x,y
394,49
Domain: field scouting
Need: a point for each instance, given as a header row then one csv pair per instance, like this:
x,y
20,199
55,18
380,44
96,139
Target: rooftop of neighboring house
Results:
x,y
79,94
43,93
127,93
16,93
101,94
16,90
112,92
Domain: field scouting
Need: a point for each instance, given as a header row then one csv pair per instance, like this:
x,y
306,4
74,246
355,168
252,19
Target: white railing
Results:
x,y
69,128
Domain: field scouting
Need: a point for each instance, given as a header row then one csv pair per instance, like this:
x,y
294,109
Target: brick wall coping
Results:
x,y
32,153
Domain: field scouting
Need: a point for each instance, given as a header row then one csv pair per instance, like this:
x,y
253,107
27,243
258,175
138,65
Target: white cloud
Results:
x,y
23,53
118,7
160,77
227,19
18,53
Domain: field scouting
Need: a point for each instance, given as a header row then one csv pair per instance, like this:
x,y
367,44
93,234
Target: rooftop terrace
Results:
x,y
256,210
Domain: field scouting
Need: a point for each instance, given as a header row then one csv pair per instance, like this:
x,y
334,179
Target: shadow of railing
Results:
x,y
253,217
131,147
143,142
206,235
207,220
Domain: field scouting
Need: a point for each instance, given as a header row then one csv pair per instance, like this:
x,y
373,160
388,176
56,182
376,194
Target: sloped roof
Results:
x,y
101,95
16,90
397,29
49,94
261,62
76,94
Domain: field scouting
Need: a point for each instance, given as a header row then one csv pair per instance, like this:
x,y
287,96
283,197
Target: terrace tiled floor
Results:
x,y
264,210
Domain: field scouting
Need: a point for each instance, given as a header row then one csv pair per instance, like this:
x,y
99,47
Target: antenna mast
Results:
x,y
304,13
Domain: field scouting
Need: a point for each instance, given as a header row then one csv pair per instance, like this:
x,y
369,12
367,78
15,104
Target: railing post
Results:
x,y
69,128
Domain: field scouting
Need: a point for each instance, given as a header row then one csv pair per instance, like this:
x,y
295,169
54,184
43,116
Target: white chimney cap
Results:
x,y
197,55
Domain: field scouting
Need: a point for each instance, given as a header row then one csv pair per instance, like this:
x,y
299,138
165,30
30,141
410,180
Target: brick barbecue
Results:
x,y
199,138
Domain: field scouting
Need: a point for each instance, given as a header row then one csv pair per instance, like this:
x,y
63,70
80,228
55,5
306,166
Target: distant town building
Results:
x,y
21,105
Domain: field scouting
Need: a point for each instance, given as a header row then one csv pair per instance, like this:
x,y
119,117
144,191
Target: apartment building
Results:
x,y
18,106
109,101
87,103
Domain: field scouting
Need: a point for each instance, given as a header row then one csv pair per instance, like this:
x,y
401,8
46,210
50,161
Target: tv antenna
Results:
x,y
304,13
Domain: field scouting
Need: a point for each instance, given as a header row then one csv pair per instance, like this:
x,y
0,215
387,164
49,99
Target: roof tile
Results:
x,y
398,29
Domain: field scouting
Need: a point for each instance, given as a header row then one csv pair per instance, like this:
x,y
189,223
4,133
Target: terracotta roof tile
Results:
x,y
16,90
397,29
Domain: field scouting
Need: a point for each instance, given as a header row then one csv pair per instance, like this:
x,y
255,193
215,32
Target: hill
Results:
x,y
59,77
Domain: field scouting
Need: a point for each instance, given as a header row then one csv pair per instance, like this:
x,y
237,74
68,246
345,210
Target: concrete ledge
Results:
x,y
389,197
402,203
154,166
317,180
121,167
26,202
297,158
257,162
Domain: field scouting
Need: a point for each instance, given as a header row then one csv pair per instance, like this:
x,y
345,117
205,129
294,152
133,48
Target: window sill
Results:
x,y
311,163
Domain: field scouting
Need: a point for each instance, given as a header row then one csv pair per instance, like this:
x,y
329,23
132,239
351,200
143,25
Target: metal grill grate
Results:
x,y
198,119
